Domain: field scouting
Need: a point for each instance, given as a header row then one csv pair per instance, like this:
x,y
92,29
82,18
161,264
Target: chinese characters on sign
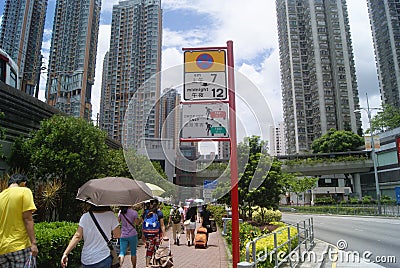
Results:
x,y
205,80
205,76
205,86
205,120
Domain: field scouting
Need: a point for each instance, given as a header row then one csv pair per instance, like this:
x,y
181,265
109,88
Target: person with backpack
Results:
x,y
176,218
128,218
153,229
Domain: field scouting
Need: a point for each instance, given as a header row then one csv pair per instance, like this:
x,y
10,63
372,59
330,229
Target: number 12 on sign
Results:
x,y
205,86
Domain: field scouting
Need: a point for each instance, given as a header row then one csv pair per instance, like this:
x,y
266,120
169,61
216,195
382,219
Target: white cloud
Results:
x,y
107,6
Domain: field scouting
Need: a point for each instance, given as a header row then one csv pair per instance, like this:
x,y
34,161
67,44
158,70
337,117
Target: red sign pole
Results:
x,y
234,159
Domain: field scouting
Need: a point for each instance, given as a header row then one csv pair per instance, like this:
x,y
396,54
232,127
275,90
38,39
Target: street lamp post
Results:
x,y
373,155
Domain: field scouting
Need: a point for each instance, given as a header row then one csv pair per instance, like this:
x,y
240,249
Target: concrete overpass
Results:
x,y
324,166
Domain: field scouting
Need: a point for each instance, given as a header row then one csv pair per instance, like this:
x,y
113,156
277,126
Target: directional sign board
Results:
x,y
207,194
205,120
210,184
205,86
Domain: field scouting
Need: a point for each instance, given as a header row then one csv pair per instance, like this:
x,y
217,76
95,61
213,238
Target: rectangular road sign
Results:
x,y
210,184
207,194
205,86
205,120
204,61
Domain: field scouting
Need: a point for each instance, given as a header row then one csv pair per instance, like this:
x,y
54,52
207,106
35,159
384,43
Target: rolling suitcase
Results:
x,y
200,240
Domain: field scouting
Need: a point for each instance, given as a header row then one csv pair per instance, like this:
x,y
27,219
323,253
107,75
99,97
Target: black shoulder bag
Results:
x,y
115,259
128,221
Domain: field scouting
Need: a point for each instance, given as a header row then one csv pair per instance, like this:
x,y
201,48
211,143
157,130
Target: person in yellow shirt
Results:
x,y
17,235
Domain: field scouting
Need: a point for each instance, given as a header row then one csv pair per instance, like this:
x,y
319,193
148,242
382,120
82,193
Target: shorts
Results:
x,y
123,243
191,226
15,259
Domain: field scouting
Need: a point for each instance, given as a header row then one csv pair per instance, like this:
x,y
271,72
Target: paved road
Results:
x,y
214,256
358,235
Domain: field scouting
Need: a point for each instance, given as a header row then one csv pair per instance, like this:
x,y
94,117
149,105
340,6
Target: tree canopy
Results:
x,y
293,183
387,119
337,141
255,165
66,148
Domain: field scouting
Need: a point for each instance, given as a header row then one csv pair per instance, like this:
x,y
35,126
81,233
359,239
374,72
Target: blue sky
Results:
x,y
252,27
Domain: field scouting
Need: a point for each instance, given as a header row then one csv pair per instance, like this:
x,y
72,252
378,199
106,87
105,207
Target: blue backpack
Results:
x,y
151,225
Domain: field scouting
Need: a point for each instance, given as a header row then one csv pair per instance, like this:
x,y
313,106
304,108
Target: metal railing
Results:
x,y
225,221
305,240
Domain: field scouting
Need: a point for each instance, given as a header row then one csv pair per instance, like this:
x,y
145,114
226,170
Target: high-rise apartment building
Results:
x,y
73,56
277,145
385,22
132,88
169,119
104,95
318,81
224,151
21,36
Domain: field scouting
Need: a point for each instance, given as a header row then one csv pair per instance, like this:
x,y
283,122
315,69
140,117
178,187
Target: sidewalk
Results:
x,y
214,256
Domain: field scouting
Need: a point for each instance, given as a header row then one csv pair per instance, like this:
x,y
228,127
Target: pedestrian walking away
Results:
x,y
17,234
191,217
153,229
129,219
205,216
95,251
176,220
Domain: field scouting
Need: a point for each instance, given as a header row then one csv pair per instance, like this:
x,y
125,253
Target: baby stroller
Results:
x,y
162,258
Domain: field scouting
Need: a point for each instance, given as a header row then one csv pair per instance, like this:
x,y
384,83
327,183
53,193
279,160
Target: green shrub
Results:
x,y
52,239
385,199
266,245
269,216
247,232
278,223
217,212
354,200
336,209
166,209
326,200
367,199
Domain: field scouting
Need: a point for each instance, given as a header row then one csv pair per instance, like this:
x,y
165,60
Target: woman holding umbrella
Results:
x,y
95,251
